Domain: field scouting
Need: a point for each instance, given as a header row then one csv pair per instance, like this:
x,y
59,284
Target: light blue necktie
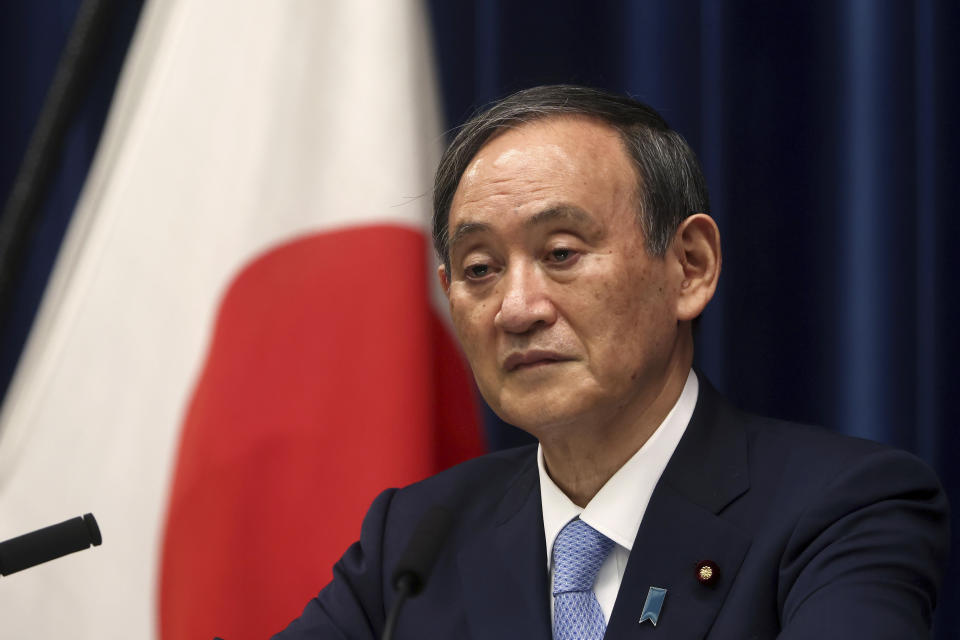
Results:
x,y
578,552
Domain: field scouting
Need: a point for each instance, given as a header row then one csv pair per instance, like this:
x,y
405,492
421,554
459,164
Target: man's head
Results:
x,y
568,311
670,183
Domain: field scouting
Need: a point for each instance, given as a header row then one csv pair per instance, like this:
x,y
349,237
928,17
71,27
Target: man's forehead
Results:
x,y
555,148
513,155
543,138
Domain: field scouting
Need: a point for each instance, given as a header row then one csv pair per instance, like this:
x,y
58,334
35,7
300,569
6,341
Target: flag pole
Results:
x,y
69,86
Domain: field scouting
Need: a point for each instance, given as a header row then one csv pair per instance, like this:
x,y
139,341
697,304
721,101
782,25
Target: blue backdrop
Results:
x,y
828,134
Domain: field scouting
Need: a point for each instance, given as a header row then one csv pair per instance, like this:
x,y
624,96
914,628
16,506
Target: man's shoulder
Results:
x,y
477,485
778,445
787,467
817,450
768,434
800,471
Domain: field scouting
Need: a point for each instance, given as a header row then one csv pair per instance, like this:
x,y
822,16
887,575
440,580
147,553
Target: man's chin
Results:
x,y
538,418
541,398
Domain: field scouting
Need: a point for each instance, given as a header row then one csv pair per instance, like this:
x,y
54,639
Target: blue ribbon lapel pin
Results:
x,y
653,604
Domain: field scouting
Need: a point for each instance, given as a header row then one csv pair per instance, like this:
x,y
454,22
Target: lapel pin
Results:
x,y
707,573
653,604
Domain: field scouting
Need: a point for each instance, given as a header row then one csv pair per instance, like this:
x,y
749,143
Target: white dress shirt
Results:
x,y
617,509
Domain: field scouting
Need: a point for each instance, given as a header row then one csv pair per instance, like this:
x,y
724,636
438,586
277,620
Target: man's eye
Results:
x,y
477,270
560,255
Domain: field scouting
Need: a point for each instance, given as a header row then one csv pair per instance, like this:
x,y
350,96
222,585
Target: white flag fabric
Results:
x,y
257,155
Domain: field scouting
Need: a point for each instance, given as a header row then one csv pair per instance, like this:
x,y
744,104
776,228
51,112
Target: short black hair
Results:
x,y
671,185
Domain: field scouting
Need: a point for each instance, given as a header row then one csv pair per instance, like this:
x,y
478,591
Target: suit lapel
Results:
x,y
681,528
504,571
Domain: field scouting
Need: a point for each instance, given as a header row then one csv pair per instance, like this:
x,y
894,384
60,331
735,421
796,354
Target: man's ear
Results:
x,y
444,280
697,245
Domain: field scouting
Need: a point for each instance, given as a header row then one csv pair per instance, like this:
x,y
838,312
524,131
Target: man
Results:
x,y
576,255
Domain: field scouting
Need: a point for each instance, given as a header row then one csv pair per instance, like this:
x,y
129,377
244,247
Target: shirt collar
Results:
x,y
617,509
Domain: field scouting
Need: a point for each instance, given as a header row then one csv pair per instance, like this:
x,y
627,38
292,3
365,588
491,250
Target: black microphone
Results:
x,y
416,563
48,543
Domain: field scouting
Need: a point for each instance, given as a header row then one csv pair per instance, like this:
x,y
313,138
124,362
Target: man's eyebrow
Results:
x,y
465,229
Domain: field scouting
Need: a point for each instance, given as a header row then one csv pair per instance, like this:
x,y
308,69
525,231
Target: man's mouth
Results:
x,y
533,358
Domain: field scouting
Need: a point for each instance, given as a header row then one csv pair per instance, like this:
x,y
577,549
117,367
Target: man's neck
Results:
x,y
583,458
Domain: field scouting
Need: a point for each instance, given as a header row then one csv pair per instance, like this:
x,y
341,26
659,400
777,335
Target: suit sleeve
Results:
x,y
351,606
867,556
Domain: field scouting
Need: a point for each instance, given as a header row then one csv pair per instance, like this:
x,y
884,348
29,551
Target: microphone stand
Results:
x,y
416,563
404,588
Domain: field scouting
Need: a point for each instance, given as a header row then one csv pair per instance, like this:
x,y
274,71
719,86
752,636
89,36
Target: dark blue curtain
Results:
x,y
827,130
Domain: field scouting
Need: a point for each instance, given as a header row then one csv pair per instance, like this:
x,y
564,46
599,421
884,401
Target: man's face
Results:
x,y
563,315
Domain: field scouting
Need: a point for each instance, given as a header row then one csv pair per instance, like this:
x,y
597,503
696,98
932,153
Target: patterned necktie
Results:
x,y
578,552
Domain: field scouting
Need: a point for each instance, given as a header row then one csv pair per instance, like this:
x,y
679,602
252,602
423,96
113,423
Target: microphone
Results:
x,y
49,543
416,563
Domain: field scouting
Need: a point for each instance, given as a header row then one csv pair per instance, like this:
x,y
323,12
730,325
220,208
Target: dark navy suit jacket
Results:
x,y
815,535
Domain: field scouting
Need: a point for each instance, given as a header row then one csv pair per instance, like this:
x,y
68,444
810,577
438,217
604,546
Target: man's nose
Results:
x,y
525,302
